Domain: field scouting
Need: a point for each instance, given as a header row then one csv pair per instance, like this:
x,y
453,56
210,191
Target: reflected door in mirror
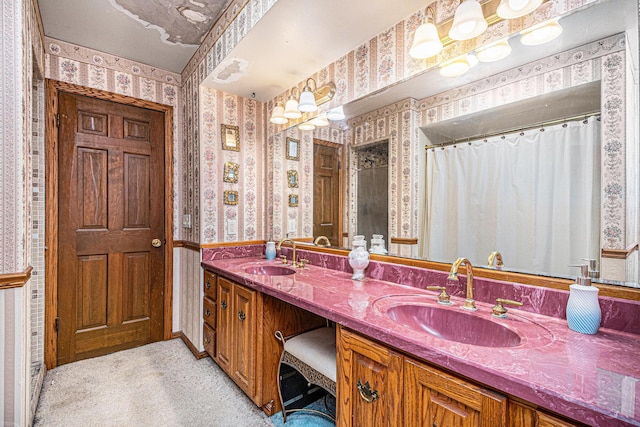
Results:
x,y
326,191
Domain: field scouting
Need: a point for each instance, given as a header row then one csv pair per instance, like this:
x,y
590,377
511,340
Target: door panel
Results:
x,y
326,192
111,206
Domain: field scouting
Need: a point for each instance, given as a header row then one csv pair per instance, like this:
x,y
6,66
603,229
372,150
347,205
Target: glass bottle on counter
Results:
x,y
358,257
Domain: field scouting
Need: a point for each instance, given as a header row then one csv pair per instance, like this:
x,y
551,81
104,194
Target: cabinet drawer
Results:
x,y
209,312
209,340
210,285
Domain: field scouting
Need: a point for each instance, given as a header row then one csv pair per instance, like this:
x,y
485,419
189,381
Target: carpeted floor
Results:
x,y
159,384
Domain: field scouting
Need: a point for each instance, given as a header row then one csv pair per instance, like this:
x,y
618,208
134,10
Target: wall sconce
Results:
x,y
511,9
458,66
307,100
277,116
468,21
291,110
310,98
426,40
541,34
494,51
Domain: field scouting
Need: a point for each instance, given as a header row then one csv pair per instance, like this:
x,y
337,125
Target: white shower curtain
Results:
x,y
533,197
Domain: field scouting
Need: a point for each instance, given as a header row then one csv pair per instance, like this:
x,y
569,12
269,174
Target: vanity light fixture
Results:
x,y
426,40
468,21
336,114
291,110
307,100
494,51
511,9
540,34
277,115
458,66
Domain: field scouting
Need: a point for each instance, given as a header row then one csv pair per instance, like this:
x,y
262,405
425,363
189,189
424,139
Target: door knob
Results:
x,y
156,243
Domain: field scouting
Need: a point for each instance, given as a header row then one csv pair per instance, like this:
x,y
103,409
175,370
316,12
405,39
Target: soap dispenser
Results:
x,y
583,307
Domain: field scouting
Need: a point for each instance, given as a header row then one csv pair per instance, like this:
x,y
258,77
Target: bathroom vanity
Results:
x,y
526,370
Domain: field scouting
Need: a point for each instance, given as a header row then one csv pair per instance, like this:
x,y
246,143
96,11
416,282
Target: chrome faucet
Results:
x,y
324,239
294,263
496,257
469,303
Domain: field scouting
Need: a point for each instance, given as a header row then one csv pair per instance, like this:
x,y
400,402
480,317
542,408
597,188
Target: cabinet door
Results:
x,y
244,335
436,399
224,321
209,339
369,383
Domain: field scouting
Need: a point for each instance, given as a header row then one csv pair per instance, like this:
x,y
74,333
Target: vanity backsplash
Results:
x,y
619,314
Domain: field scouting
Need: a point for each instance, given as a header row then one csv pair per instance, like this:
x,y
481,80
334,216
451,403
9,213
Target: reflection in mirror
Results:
x,y
373,189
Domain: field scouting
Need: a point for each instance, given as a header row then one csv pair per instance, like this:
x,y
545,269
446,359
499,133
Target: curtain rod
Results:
x,y
583,116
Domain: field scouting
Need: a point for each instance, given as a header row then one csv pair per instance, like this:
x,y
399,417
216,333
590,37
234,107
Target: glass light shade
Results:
x,y
494,52
458,66
306,126
321,120
307,102
468,21
541,34
426,42
277,115
511,9
336,114
291,109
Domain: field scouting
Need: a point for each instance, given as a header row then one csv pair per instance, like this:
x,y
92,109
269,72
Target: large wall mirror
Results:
x,y
573,87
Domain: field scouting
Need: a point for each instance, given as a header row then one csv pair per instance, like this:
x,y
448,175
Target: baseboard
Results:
x,y
197,354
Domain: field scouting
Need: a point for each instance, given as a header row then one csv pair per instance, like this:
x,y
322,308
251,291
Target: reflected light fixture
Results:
x,y
458,66
291,110
336,114
494,51
277,115
511,9
468,21
306,126
426,40
540,34
307,100
320,120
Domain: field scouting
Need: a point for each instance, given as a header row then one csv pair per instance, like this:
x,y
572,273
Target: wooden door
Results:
x,y
433,398
223,324
244,338
327,191
369,383
111,208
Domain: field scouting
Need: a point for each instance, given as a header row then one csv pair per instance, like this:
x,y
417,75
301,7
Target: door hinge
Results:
x,y
57,119
57,324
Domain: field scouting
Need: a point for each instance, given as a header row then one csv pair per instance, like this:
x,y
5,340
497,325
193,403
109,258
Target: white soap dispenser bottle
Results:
x,y
583,307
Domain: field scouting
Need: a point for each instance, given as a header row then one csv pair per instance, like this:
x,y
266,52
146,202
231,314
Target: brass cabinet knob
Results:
x,y
208,285
156,243
207,340
241,315
223,304
208,312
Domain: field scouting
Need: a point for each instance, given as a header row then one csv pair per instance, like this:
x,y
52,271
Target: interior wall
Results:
x,y
22,57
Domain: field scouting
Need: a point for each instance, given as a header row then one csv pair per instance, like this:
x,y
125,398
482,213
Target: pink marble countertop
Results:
x,y
594,379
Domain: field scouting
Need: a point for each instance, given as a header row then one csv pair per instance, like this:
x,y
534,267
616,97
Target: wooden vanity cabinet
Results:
x,y
522,414
245,345
381,387
369,382
434,398
209,313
